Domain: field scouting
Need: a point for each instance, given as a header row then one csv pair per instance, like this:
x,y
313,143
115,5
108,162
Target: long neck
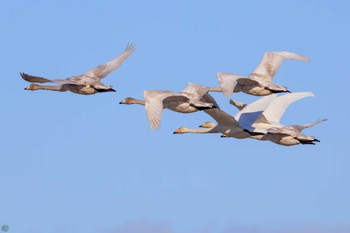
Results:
x,y
205,130
215,89
136,101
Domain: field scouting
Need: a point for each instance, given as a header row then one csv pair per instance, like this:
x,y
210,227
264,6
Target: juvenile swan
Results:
x,y
85,84
192,99
289,135
258,83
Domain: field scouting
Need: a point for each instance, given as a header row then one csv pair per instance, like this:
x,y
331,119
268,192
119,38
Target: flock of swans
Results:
x,y
258,120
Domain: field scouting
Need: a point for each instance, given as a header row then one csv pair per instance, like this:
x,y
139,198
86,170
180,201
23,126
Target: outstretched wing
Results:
x,y
196,91
274,112
251,112
300,128
271,62
102,71
77,80
227,82
34,79
238,104
154,105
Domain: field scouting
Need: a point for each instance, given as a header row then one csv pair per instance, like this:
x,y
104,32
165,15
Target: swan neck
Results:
x,y
215,89
136,101
206,130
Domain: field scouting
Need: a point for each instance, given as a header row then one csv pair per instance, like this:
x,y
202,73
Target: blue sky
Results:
x,y
73,163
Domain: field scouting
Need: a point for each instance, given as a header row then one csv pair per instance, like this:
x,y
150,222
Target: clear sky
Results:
x,y
72,163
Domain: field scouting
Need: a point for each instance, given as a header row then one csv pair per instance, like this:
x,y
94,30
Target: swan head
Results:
x,y
128,100
32,87
181,130
208,125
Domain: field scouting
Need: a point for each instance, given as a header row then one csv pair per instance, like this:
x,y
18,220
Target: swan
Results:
x,y
85,84
192,99
233,126
258,83
269,127
288,135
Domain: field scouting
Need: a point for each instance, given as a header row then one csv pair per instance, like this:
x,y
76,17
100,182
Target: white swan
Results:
x,y
192,99
258,83
85,84
269,127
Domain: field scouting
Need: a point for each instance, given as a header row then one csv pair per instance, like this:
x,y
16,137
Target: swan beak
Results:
x,y
112,90
316,140
121,102
175,132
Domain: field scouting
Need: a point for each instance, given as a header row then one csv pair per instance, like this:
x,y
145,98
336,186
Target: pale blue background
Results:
x,y
73,163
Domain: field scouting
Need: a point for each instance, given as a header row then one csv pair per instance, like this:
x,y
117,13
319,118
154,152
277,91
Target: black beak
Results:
x,y
253,133
112,90
288,91
121,102
316,140
174,132
247,131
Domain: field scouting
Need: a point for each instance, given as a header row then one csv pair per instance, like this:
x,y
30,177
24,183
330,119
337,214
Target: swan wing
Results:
x,y
274,112
102,71
251,112
34,79
300,128
271,62
227,82
195,91
154,105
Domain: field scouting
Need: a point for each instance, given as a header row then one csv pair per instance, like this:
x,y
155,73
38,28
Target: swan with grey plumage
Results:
x,y
260,81
192,99
85,84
